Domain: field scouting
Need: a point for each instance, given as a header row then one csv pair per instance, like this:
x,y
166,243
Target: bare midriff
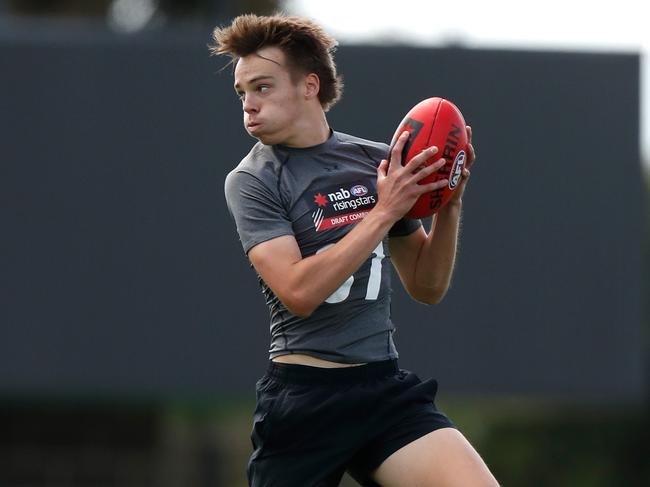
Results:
x,y
301,359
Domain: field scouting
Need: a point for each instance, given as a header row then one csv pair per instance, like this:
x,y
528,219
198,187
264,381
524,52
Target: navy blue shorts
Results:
x,y
312,424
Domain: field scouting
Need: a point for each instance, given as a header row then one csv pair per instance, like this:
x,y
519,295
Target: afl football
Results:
x,y
435,121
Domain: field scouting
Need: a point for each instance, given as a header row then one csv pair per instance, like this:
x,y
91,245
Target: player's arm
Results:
x,y
302,284
425,261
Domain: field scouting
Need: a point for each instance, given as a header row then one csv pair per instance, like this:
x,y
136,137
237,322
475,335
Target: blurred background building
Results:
x,y
132,330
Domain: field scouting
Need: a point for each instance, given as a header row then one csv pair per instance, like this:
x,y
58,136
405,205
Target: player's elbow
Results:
x,y
300,311
429,295
433,299
298,304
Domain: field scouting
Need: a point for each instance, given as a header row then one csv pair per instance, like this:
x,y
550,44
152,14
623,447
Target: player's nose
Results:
x,y
250,106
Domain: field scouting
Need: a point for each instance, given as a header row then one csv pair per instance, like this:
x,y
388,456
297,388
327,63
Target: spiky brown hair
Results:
x,y
307,47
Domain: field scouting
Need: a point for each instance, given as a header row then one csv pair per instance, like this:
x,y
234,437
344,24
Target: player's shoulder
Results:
x,y
377,150
261,164
260,158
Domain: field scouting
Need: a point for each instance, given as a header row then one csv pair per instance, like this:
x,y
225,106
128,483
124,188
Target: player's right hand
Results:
x,y
397,185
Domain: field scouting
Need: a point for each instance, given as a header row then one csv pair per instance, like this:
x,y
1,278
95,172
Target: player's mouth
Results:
x,y
251,126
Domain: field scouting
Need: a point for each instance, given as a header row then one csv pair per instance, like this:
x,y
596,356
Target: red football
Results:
x,y
435,121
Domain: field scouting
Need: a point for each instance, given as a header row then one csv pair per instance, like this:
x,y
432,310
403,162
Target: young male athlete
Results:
x,y
320,215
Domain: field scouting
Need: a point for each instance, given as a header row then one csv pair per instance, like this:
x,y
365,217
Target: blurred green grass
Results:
x,y
524,442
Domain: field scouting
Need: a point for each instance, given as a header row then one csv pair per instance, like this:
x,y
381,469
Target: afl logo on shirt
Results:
x,y
359,190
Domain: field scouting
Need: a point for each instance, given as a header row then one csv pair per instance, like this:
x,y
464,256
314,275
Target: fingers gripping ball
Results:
x,y
435,121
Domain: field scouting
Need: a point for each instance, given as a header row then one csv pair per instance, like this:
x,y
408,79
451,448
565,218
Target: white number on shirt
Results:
x,y
374,280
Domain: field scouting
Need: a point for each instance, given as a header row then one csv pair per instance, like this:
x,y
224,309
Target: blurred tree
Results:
x,y
260,7
173,8
59,7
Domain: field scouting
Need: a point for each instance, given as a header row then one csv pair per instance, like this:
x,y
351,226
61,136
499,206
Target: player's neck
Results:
x,y
309,131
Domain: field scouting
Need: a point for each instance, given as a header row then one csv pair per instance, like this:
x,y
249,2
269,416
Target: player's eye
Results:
x,y
263,88
241,95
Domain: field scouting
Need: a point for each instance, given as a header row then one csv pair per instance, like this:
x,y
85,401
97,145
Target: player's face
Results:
x,y
272,102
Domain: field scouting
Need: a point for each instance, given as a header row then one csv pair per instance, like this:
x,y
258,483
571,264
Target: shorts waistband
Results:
x,y
305,374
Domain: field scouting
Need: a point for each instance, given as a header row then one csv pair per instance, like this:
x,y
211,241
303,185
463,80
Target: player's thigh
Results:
x,y
442,458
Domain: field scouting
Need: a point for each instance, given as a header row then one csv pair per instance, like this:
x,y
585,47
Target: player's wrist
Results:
x,y
453,208
384,215
455,204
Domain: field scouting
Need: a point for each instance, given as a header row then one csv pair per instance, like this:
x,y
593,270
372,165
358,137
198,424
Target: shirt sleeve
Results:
x,y
404,227
258,211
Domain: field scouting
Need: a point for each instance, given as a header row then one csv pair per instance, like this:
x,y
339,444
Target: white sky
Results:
x,y
615,25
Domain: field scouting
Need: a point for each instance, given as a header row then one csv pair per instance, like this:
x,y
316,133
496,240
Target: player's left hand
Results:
x,y
457,197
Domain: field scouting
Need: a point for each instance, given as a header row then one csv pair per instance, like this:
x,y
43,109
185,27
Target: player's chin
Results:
x,y
265,138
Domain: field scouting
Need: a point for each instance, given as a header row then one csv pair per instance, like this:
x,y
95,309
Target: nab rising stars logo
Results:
x,y
321,201
338,206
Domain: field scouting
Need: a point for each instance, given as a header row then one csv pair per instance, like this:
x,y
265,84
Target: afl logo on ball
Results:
x,y
359,190
456,170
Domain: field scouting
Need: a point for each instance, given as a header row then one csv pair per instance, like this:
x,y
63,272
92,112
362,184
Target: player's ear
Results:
x,y
311,85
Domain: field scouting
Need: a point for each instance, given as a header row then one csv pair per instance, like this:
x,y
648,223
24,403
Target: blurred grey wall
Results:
x,y
121,272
